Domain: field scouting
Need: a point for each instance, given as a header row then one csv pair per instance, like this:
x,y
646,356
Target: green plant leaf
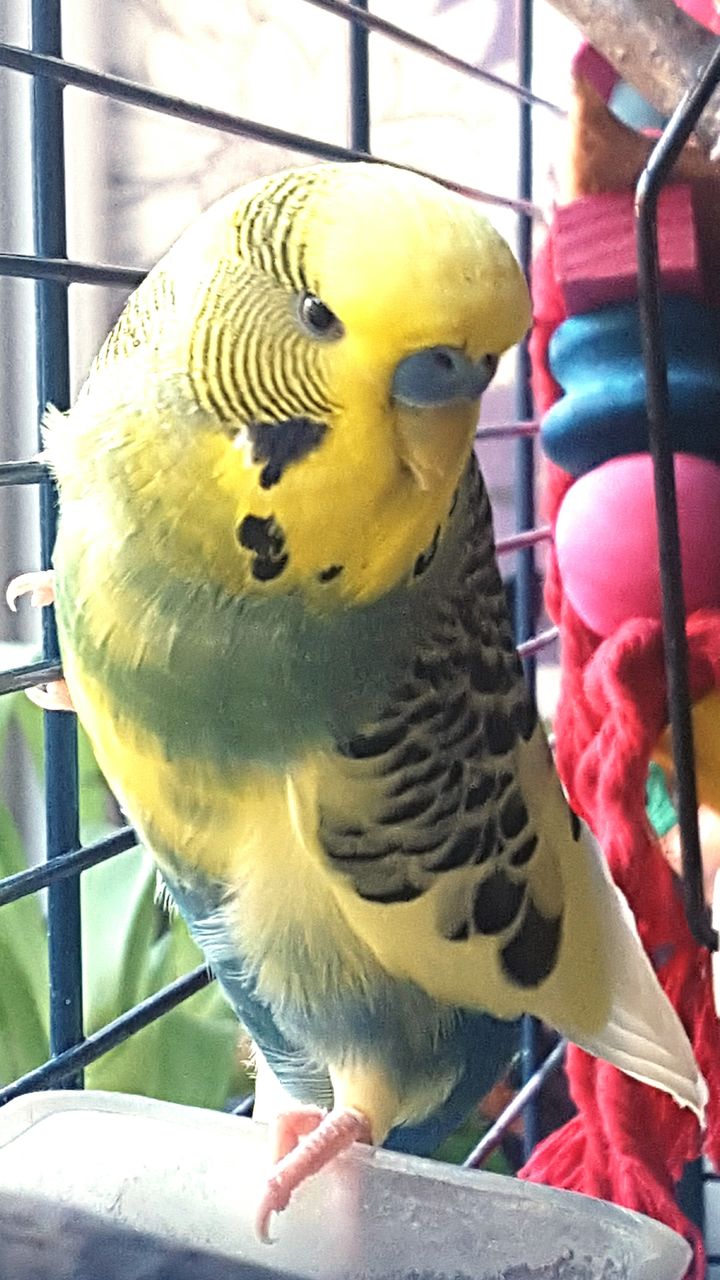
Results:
x,y
180,1058
30,719
456,1148
23,965
8,708
23,1029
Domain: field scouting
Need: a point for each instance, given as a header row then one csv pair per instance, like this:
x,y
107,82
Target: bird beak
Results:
x,y
437,376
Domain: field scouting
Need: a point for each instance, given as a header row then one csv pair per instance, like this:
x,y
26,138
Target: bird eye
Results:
x,y
318,319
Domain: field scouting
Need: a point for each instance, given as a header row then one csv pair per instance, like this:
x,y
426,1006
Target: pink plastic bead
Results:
x,y
607,543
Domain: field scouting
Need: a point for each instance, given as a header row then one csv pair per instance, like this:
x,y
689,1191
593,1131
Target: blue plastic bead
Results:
x,y
597,360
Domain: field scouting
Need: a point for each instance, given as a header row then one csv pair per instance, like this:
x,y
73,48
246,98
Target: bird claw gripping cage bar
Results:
x,y
53,273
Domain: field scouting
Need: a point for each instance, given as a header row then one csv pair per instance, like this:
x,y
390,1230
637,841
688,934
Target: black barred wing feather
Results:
x,y
433,785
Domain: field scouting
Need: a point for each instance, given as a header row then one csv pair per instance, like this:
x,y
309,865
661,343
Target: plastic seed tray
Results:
x,y
97,1186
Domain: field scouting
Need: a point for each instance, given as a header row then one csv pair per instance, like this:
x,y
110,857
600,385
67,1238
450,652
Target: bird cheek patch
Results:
x,y
278,444
265,539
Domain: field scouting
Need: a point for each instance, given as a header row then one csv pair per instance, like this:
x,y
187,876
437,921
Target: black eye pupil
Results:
x,y
318,318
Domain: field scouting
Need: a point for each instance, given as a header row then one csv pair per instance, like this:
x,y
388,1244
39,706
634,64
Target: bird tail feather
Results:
x,y
643,1035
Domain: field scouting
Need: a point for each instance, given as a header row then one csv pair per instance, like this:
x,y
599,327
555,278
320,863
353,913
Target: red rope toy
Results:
x,y
628,1143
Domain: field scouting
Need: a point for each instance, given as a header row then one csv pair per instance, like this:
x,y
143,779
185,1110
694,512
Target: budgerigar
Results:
x,y
283,628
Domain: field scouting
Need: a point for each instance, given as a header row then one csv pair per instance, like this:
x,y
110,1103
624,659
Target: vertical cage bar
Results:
x,y
690,1191
53,386
359,82
525,446
653,177
525,475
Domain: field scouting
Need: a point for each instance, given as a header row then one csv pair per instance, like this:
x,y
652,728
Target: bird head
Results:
x,y
320,345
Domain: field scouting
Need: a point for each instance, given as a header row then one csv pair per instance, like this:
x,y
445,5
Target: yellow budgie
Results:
x,y
283,627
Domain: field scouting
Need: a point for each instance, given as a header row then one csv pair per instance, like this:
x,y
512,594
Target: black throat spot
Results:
x,y
264,538
278,444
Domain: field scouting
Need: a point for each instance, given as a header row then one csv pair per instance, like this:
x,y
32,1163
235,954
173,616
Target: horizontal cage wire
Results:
x,y
52,270
55,69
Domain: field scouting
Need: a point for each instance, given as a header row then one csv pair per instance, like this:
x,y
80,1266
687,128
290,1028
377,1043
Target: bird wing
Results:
x,y
455,857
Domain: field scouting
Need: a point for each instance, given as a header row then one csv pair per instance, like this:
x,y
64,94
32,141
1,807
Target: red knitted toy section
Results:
x,y
628,1143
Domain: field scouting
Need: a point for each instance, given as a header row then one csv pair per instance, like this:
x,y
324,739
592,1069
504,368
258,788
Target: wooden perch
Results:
x,y
655,47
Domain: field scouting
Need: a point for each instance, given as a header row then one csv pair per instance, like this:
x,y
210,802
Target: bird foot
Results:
x,y
306,1140
289,1127
54,696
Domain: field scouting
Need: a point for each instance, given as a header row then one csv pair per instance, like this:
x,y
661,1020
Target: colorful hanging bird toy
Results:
x,y
603,589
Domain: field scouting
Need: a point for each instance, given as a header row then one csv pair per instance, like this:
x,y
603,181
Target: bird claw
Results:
x,y
40,586
274,1200
318,1140
55,695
